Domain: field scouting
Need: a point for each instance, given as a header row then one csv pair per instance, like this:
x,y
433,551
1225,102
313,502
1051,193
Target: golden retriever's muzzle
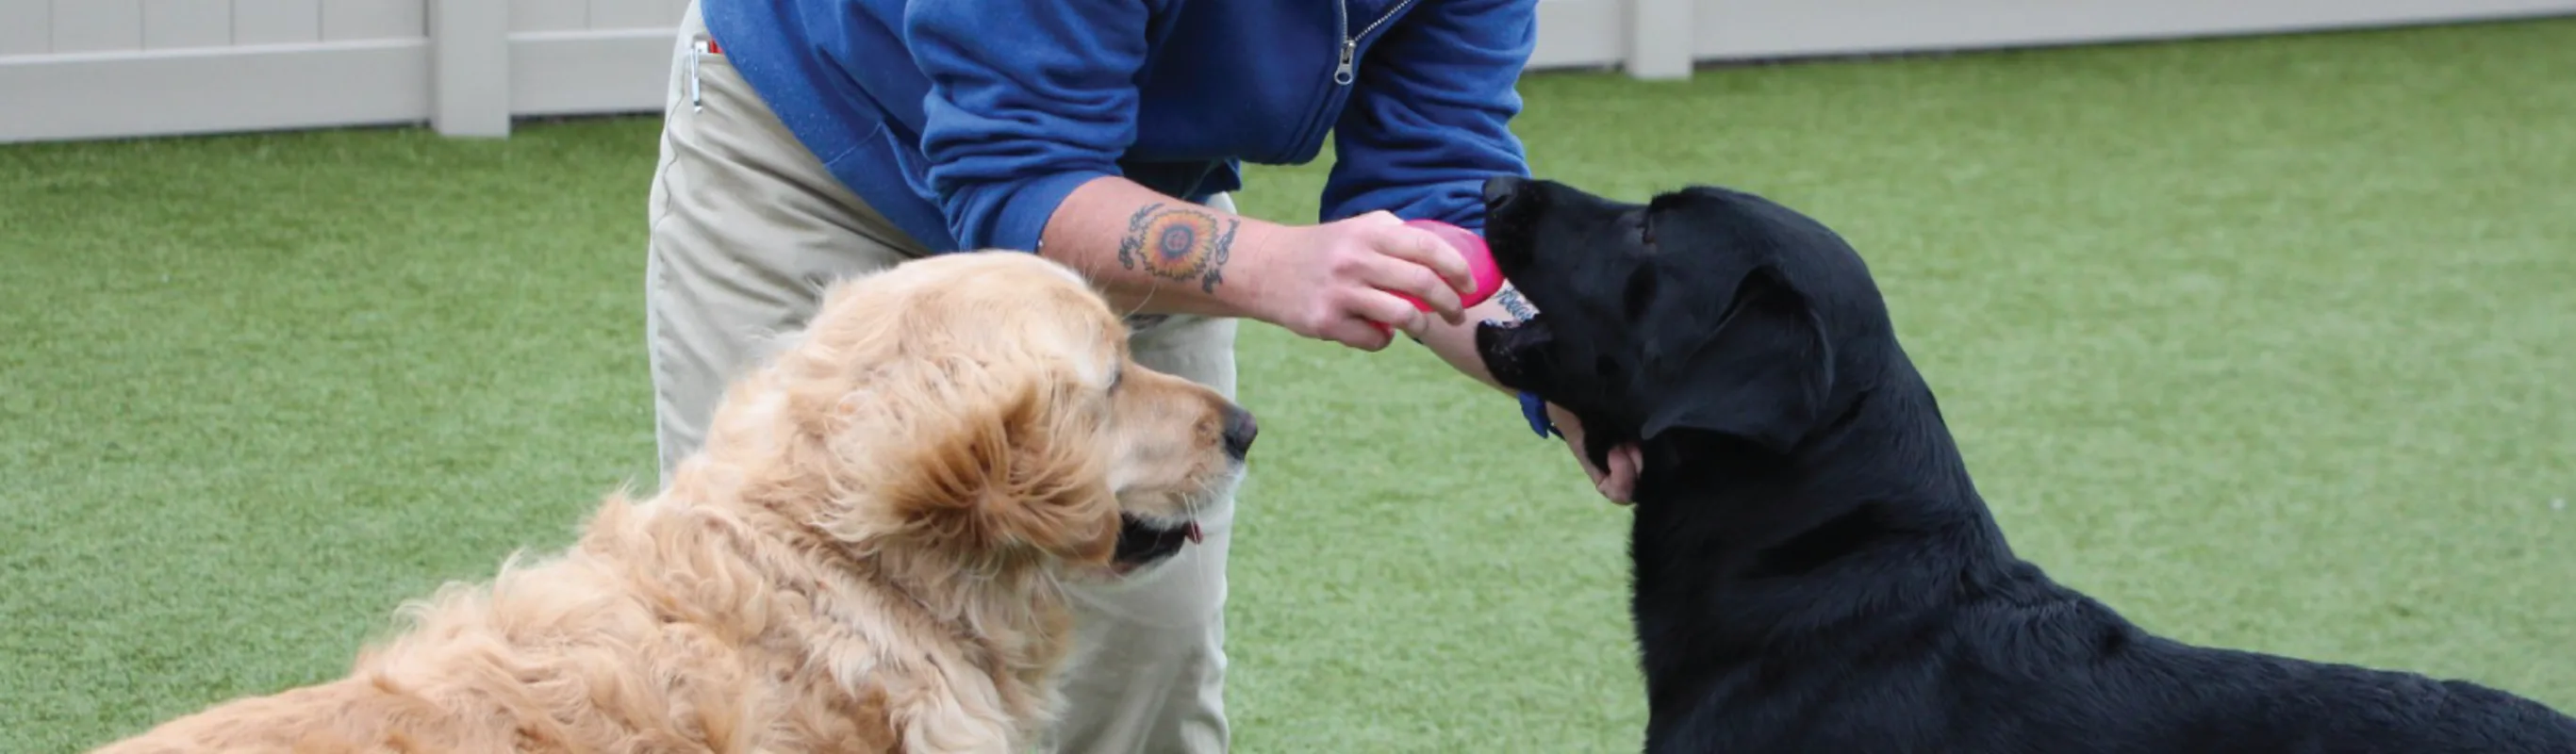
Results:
x,y
1143,542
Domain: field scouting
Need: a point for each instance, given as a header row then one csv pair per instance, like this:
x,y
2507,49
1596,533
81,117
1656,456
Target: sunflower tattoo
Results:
x,y
1178,244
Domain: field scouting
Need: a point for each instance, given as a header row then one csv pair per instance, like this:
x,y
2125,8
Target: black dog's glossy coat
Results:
x,y
1814,568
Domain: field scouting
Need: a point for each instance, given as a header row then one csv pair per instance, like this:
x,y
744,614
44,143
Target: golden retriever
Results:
x,y
868,554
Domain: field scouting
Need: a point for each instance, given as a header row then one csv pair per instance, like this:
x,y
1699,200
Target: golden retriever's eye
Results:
x,y
1117,378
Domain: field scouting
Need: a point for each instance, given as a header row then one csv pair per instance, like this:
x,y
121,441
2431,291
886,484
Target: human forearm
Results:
x,y
1456,344
1151,253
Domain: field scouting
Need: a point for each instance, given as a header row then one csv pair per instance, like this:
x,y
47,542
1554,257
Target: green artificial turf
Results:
x,y
2263,341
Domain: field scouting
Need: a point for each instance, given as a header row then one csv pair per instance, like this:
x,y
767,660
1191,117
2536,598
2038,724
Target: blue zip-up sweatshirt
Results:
x,y
966,122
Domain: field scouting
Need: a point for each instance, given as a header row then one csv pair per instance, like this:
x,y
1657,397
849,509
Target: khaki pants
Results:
x,y
746,228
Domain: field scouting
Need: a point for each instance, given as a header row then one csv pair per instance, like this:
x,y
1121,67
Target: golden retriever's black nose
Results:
x,y
1239,431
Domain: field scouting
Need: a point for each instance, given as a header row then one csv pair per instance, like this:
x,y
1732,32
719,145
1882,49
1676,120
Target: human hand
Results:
x,y
1337,281
1617,482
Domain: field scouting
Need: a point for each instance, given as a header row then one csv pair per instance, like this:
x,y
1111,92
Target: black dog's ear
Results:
x,y
1763,376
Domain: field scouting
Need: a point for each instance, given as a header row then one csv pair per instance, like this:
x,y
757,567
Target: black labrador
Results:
x,y
1814,568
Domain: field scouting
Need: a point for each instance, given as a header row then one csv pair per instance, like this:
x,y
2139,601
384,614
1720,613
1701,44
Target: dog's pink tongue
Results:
x,y
1194,531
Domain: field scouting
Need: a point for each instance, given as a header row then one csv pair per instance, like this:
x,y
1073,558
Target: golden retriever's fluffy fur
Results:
x,y
867,554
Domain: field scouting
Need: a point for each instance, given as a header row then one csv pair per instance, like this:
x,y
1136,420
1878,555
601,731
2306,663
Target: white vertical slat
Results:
x,y
1659,39
549,15
469,59
26,27
98,25
173,24
633,14
374,19
268,22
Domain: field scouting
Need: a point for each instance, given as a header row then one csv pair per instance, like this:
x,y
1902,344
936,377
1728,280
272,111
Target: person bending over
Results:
x,y
806,140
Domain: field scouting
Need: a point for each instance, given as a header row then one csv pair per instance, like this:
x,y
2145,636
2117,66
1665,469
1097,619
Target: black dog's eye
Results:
x,y
1646,230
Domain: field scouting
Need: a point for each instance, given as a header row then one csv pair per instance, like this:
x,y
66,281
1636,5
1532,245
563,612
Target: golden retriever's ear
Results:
x,y
989,461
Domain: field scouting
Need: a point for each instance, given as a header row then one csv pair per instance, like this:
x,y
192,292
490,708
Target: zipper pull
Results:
x,y
1342,73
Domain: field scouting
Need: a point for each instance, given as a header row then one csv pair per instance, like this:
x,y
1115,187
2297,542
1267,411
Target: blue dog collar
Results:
x,y
1535,411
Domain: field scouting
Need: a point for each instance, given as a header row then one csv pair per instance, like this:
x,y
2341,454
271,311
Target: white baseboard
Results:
x,y
214,90
313,85
589,72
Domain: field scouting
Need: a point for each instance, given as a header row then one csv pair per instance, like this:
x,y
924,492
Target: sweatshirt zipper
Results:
x,y
1347,71
1345,66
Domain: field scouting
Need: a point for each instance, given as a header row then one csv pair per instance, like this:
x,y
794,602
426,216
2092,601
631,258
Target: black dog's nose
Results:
x,y
1239,431
1499,189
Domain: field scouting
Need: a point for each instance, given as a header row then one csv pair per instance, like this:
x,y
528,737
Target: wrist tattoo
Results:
x,y
1181,244
1511,301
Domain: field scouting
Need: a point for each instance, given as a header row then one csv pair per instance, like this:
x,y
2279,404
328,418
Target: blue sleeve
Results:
x,y
1028,100
1429,119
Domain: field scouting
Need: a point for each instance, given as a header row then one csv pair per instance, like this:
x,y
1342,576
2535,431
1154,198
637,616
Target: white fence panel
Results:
x,y
571,57
1580,33
77,69
549,15
115,68
1739,29
365,19
89,96
180,24
635,14
26,27
98,25
276,22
